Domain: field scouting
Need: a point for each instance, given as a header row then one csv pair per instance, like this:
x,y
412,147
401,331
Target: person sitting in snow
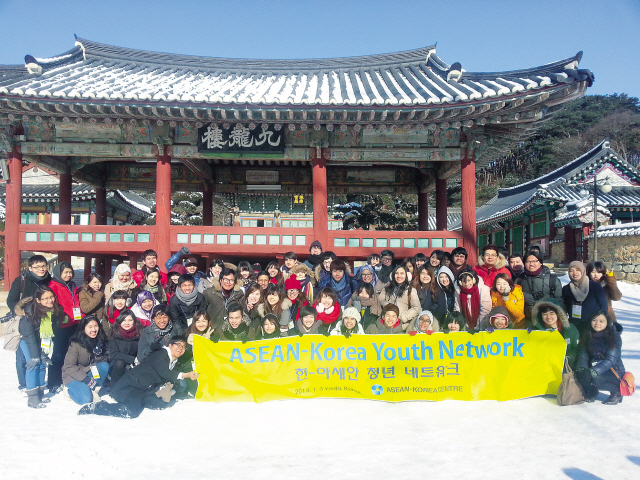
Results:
x,y
148,385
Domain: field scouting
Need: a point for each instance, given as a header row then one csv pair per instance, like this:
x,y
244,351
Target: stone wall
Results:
x,y
557,253
620,254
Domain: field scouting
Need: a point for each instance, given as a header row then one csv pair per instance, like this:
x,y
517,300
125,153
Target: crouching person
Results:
x,y
235,327
497,319
85,366
390,322
139,388
350,323
550,316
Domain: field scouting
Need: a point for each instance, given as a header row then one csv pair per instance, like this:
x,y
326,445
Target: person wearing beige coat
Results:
x,y
400,293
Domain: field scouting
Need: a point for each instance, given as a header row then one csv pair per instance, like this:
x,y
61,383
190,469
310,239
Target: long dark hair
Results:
x,y
38,311
272,289
246,266
214,263
118,294
394,287
254,287
598,267
609,333
83,339
115,330
432,287
161,292
279,278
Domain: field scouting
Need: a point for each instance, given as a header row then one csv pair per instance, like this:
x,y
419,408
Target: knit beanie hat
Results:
x,y
352,312
315,243
292,283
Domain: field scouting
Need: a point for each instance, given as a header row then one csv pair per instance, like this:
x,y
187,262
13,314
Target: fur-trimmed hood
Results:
x,y
21,309
245,319
285,305
302,268
502,262
536,315
215,284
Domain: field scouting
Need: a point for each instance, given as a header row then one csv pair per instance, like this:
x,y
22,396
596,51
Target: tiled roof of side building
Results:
x,y
94,71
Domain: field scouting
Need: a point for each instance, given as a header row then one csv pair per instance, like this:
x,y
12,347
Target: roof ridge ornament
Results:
x,y
455,72
32,66
79,44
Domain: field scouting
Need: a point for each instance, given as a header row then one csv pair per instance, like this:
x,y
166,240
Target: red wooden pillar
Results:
x,y
207,204
320,210
108,267
468,184
163,209
133,261
64,208
12,218
87,265
441,203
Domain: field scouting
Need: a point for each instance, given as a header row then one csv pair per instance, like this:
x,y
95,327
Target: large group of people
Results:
x,y
132,337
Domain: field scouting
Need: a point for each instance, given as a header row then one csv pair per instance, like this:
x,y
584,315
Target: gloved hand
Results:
x,y
593,373
33,363
300,333
215,338
413,333
584,377
490,329
505,298
46,361
429,332
90,382
529,330
327,333
184,251
244,339
347,334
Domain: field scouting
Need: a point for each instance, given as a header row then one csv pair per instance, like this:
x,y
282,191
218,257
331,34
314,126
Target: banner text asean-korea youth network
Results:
x,y
503,365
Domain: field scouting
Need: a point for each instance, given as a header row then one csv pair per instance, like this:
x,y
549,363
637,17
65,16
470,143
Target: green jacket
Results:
x,y
569,331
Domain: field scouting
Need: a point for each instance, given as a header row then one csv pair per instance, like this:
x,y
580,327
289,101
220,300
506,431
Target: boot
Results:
x,y
43,398
34,398
614,399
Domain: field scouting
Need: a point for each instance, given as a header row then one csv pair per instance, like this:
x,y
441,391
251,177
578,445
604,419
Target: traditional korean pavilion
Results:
x,y
261,131
553,210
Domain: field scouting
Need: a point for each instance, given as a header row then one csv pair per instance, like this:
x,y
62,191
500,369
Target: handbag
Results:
x,y
569,392
12,337
627,383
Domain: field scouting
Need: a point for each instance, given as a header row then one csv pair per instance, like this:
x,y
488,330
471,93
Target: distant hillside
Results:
x,y
581,125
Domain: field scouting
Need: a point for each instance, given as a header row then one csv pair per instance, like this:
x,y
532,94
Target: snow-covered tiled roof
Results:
x,y
581,210
621,230
95,71
45,193
555,186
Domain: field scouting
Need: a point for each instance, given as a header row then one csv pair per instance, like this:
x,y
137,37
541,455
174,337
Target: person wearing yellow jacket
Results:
x,y
505,293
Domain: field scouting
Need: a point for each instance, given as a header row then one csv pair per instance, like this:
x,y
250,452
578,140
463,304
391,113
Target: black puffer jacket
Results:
x,y
604,358
125,349
180,313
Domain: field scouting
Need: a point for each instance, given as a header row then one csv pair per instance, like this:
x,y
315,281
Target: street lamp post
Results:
x,y
606,188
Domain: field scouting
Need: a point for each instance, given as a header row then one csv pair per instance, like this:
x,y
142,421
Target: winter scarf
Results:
x,y
472,312
458,270
127,334
339,286
158,332
362,303
314,328
535,273
37,279
329,315
238,333
580,290
116,284
267,336
314,259
46,326
185,298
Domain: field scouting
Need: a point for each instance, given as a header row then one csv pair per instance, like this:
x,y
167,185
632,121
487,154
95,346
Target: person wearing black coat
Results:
x,y
600,353
583,297
139,387
186,301
24,286
123,344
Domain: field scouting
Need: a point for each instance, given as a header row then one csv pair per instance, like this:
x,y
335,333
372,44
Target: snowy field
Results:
x,y
524,439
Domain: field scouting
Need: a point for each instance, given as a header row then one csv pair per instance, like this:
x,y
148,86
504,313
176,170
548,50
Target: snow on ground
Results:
x,y
316,438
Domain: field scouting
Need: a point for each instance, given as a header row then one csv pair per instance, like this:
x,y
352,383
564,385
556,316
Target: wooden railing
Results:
x,y
252,241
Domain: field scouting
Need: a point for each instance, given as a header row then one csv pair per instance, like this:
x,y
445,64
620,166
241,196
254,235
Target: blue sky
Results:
x,y
482,35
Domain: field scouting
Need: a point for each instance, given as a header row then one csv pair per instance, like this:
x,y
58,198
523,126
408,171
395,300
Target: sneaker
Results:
x,y
87,409
614,399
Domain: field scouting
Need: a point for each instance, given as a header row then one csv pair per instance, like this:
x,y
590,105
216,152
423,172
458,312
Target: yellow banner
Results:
x,y
504,365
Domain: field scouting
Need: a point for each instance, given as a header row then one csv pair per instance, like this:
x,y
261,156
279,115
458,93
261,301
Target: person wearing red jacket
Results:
x,y
491,264
66,293
150,260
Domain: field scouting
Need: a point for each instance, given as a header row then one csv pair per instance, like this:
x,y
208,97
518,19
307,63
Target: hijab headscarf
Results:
x,y
369,268
116,284
579,289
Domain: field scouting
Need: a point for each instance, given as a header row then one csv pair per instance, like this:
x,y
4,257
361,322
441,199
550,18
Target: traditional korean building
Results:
x,y
556,210
262,131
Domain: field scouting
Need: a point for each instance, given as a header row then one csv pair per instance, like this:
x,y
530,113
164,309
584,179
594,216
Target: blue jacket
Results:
x,y
604,359
344,295
596,300
174,259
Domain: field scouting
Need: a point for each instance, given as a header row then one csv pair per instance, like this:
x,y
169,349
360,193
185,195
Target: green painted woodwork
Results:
x,y
539,229
423,243
516,239
498,238
482,241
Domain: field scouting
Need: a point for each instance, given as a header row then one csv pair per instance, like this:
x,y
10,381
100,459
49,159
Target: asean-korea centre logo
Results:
x,y
377,389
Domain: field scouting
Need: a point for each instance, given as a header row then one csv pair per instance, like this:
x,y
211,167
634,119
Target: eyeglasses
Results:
x,y
367,275
180,346
39,267
532,262
228,280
